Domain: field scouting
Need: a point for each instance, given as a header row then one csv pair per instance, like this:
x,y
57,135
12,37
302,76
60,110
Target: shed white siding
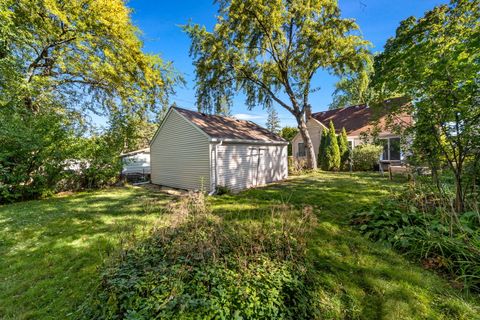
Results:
x,y
180,155
242,166
137,163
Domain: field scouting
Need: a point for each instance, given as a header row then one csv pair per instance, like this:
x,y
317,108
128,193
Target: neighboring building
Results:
x,y
357,120
136,163
194,151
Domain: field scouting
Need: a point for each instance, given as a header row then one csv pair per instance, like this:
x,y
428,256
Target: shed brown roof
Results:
x,y
229,128
360,118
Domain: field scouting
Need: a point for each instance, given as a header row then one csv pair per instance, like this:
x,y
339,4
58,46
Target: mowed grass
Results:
x,y
50,249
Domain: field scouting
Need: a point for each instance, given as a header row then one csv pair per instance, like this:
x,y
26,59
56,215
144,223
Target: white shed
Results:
x,y
136,162
195,151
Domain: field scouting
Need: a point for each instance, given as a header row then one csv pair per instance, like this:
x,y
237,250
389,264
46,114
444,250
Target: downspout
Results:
x,y
215,169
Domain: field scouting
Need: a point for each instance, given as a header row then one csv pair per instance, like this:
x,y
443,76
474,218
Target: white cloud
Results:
x,y
246,116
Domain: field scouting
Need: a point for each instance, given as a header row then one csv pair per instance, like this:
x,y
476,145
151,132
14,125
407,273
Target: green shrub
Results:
x,y
344,149
207,267
418,225
332,153
366,156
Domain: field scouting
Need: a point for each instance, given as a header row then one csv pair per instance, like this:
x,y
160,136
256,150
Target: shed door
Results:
x,y
257,167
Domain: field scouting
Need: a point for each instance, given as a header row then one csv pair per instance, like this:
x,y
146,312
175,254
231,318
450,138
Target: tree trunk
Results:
x,y
311,157
459,203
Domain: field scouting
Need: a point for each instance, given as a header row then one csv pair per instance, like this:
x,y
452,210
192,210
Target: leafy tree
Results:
x,y
60,63
33,151
436,61
84,55
273,122
270,50
353,89
322,150
332,152
343,147
288,133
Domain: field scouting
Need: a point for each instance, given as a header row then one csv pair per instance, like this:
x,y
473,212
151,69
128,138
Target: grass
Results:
x,y
50,249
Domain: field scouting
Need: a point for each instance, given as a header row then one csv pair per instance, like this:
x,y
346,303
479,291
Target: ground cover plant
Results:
x,y
421,222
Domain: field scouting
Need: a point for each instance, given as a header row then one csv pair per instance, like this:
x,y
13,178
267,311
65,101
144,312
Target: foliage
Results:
x,y
366,156
34,150
270,50
296,166
288,133
351,91
417,224
344,149
273,122
67,237
84,55
332,151
217,269
322,150
60,64
436,61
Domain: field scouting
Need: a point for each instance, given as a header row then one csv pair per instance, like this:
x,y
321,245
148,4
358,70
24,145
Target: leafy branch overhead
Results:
x,y
85,55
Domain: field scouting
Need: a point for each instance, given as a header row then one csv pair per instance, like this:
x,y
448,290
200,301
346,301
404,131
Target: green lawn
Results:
x,y
50,249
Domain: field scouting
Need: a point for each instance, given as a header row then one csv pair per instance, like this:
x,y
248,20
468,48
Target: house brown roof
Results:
x,y
229,128
360,118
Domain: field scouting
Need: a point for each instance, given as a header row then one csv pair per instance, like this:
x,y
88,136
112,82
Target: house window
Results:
x,y
391,149
301,149
350,144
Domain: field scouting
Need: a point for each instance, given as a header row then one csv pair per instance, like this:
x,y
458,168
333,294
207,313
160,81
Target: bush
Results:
x,y
418,225
208,267
366,156
296,166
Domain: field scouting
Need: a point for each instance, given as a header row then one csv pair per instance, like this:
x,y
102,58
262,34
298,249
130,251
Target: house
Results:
x,y
136,163
358,121
196,151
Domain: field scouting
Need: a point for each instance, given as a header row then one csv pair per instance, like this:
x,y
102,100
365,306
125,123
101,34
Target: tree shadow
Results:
x,y
51,248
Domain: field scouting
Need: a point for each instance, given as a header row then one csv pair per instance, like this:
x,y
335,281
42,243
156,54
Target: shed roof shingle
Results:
x,y
356,119
229,128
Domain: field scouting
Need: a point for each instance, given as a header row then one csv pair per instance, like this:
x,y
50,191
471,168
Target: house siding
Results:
x,y
242,166
180,155
315,131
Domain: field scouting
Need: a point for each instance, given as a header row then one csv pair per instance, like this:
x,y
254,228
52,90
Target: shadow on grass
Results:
x,y
51,248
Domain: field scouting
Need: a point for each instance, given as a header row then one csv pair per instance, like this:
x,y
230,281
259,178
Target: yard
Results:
x,y
51,249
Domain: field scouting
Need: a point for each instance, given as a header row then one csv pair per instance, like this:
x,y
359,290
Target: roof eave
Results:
x,y
247,141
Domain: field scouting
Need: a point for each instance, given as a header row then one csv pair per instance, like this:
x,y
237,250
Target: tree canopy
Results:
x,y
270,50
435,60
81,55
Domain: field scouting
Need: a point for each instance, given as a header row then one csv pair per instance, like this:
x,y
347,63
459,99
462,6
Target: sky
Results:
x,y
160,22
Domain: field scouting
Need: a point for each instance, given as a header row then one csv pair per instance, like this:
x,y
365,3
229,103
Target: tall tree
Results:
x,y
270,50
332,151
436,61
273,122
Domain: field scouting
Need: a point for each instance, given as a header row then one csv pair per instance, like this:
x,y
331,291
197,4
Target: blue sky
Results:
x,y
160,23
